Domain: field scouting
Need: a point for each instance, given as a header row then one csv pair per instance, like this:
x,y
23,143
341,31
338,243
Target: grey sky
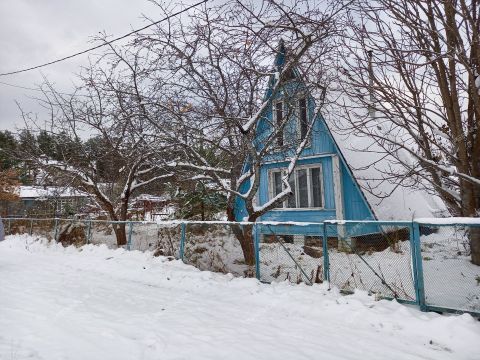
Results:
x,y
37,31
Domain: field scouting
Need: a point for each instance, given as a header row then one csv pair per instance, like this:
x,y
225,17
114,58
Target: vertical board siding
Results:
x,y
319,151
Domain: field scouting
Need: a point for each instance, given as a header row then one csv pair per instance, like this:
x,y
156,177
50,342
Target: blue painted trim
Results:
x,y
256,244
418,267
326,259
182,240
446,225
451,310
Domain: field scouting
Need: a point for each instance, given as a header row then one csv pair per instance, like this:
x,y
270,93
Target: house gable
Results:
x,y
338,183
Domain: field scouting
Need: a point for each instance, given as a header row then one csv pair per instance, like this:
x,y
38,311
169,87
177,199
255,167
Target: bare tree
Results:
x,y
218,65
121,154
411,81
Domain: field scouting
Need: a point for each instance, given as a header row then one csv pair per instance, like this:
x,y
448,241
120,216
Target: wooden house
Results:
x,y
325,184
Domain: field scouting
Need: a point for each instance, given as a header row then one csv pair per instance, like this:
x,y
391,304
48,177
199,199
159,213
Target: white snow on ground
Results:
x,y
99,303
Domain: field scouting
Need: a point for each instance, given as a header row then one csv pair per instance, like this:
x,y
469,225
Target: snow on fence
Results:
x,y
423,262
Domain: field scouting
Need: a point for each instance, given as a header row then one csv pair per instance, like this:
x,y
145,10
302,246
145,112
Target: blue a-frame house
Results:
x,y
324,185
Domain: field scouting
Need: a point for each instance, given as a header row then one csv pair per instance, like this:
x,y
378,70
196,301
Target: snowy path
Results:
x,y
98,303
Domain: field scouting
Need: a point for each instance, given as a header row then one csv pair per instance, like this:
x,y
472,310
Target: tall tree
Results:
x,y
411,84
9,184
121,156
8,144
217,66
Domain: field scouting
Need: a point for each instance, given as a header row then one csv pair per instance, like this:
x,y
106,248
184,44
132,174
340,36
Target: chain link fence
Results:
x,y
451,280
375,257
425,264
215,247
290,253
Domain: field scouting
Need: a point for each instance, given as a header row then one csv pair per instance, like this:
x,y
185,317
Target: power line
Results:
x,y
19,86
106,43
38,90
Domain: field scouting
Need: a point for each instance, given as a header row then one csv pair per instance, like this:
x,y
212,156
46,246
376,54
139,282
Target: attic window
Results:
x,y
278,113
303,117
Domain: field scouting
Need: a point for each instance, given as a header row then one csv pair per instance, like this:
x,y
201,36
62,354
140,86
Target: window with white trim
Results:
x,y
306,184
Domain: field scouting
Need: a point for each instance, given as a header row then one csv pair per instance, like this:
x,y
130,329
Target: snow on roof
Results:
x,y
152,198
35,192
369,169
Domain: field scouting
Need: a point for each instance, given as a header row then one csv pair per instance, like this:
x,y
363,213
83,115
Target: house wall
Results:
x,y
320,150
354,205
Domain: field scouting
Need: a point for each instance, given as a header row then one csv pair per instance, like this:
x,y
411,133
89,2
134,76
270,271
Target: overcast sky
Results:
x,y
37,31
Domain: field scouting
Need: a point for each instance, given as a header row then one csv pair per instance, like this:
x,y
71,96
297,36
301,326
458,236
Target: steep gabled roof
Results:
x,y
403,203
369,168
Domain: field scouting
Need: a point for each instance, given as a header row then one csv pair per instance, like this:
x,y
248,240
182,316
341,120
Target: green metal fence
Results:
x,y
417,262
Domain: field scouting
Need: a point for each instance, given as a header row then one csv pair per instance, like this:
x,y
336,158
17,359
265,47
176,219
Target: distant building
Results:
x,y
148,207
45,201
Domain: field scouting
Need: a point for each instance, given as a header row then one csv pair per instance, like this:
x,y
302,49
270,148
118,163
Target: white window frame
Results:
x,y
271,187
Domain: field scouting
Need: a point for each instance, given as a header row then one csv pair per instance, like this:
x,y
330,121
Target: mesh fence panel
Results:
x,y
371,256
71,232
451,280
102,232
44,228
35,227
285,256
215,247
376,258
17,226
162,239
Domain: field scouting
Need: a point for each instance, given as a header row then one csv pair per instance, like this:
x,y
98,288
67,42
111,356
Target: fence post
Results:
x,y
418,266
31,227
89,230
55,230
9,227
129,241
326,260
182,240
256,247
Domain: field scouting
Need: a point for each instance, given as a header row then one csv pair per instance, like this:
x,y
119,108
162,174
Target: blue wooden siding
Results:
x,y
319,151
354,205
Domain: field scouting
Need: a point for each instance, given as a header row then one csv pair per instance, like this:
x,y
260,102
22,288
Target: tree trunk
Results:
x,y
120,233
246,242
474,235
244,235
470,209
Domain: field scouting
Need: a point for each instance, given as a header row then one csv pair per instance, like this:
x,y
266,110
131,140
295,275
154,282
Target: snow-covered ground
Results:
x,y
98,303
450,279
